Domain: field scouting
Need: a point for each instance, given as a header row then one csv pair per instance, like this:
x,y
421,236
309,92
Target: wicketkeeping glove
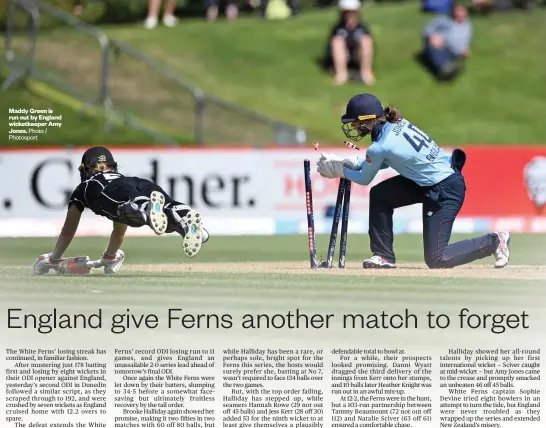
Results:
x,y
332,166
43,264
112,262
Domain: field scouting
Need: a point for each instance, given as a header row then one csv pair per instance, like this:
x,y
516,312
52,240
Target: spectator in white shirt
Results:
x,y
350,46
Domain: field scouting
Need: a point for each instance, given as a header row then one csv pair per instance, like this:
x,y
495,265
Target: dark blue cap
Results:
x,y
362,107
94,155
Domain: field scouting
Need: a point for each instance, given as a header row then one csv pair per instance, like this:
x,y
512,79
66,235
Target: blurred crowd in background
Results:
x,y
164,11
350,49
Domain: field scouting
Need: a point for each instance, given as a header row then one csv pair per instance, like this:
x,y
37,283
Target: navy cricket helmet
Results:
x,y
92,157
362,108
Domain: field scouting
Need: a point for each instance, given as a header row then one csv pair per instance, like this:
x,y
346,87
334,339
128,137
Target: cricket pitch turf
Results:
x,y
242,270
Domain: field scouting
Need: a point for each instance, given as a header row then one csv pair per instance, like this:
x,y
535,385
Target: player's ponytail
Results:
x,y
88,170
103,166
392,114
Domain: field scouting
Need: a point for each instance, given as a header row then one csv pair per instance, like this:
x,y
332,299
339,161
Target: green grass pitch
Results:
x,y
270,272
526,249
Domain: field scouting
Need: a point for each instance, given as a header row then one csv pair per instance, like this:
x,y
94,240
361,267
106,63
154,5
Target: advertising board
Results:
x,y
261,191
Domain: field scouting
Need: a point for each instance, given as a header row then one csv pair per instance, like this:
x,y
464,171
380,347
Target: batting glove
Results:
x,y
112,262
43,264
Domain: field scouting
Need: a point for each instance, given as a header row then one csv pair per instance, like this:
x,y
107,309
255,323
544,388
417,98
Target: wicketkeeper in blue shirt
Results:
x,y
428,176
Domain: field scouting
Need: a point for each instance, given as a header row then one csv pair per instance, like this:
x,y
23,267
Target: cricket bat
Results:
x,y
80,265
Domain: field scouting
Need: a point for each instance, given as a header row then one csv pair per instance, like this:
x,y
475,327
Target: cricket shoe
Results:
x,y
206,235
502,253
193,238
377,262
156,216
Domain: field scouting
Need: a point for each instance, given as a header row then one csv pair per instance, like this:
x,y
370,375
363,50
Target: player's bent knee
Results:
x,y
130,214
433,260
437,262
432,264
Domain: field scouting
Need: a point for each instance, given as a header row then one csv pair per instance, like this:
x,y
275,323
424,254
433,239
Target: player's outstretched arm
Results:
x,y
68,232
113,257
375,159
116,238
45,262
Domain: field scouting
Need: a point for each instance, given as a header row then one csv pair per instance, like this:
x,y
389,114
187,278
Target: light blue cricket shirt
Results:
x,y
407,150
